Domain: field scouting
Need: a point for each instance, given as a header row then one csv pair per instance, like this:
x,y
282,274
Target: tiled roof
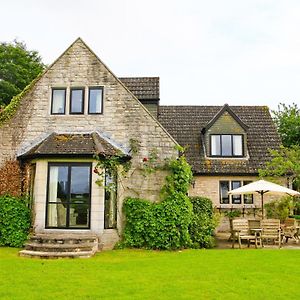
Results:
x,y
185,123
144,88
72,144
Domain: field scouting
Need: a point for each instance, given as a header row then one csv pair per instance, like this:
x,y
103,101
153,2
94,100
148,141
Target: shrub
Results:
x,y
163,225
14,221
279,209
231,214
203,223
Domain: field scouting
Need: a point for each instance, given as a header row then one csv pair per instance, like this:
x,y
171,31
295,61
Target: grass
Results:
x,y
141,274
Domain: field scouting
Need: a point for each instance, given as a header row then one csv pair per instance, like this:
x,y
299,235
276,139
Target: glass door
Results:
x,y
68,195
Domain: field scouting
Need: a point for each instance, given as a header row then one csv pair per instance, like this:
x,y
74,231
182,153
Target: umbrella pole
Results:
x,y
262,204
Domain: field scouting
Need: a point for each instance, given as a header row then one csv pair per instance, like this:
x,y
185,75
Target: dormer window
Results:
x,y
226,145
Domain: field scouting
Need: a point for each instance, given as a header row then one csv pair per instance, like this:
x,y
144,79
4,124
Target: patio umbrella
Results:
x,y
262,187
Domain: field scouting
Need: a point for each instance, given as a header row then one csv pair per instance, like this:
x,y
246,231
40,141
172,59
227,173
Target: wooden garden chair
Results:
x,y
241,231
271,231
290,230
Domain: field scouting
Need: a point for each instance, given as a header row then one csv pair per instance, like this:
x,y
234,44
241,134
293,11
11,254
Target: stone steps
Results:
x,y
43,254
60,245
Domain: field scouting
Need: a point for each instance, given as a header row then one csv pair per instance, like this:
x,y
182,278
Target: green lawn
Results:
x,y
136,274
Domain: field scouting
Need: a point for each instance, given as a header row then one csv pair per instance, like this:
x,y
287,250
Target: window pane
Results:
x,y
57,215
237,145
77,101
224,189
110,209
80,184
236,199
95,100
58,101
215,145
226,145
248,198
58,184
79,215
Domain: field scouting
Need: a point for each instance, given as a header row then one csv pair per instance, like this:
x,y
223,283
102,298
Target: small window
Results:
x,y
77,101
226,186
224,189
110,200
236,199
248,198
95,100
58,101
226,145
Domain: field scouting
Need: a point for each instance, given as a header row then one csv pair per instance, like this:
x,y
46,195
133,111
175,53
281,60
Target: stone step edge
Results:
x,y
70,246
29,253
67,238
64,236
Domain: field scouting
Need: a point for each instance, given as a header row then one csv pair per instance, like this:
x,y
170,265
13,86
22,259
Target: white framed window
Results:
x,y
226,145
227,185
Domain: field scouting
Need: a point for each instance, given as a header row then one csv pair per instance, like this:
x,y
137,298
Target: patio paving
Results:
x,y
223,243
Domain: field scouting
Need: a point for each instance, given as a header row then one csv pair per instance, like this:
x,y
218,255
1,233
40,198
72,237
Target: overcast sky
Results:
x,y
206,52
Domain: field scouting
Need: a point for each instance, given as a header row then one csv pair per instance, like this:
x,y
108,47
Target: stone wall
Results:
x,y
208,186
123,118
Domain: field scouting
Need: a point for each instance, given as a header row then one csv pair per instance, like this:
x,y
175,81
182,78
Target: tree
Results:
x,y
287,120
18,67
285,163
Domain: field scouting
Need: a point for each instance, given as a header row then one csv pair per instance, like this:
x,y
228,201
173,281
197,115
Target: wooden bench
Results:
x,y
271,231
290,230
241,231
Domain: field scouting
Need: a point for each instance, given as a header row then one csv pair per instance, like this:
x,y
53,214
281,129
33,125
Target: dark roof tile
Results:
x,y
185,123
72,144
144,88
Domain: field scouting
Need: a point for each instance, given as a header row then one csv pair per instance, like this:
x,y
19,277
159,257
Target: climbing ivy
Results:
x,y
9,111
162,225
14,221
112,163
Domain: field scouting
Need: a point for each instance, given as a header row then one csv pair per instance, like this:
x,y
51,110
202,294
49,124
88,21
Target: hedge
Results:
x,y
14,221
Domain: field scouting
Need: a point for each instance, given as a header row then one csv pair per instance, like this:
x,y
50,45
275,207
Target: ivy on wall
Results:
x,y
14,221
8,112
163,225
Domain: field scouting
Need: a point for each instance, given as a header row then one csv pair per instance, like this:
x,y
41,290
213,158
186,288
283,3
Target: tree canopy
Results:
x,y
287,120
285,163
18,67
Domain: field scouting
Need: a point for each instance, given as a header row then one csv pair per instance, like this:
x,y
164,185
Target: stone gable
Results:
x,y
123,117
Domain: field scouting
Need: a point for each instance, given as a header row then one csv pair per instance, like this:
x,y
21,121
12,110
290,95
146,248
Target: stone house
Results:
x,y
78,109
226,146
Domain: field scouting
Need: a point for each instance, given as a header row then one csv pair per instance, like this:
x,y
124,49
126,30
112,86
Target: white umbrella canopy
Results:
x,y
262,187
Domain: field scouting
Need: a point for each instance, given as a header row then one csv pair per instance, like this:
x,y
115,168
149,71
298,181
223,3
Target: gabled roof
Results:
x,y
225,108
185,123
83,145
144,88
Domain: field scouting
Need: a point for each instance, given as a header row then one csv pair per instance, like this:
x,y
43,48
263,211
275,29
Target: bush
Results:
x,y
14,221
203,223
279,209
162,225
